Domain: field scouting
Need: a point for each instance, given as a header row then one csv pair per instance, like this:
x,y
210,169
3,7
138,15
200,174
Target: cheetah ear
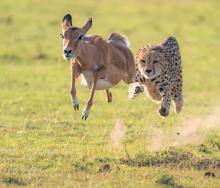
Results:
x,y
139,55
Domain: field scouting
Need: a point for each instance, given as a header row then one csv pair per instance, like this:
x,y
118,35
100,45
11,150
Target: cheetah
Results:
x,y
159,75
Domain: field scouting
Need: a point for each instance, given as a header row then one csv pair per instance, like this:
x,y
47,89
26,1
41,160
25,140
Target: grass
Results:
x,y
44,143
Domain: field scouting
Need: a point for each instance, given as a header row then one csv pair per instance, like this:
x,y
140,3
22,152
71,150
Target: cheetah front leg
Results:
x,y
166,100
134,90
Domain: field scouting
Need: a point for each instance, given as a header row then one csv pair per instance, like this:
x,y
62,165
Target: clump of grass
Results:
x,y
204,148
13,180
83,166
215,143
105,160
172,158
168,180
105,168
7,57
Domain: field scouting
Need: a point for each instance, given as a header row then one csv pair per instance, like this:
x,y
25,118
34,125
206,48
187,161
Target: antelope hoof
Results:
x,y
76,107
85,114
75,104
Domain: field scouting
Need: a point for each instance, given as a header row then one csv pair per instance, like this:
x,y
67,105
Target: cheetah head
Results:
x,y
151,64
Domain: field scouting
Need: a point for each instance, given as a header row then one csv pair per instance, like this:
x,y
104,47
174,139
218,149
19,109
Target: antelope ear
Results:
x,y
67,21
87,26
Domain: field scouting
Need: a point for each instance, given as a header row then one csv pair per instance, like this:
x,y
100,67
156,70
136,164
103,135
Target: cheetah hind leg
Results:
x,y
153,94
178,105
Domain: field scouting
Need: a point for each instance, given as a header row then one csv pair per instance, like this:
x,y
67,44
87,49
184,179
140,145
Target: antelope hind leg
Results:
x,y
109,95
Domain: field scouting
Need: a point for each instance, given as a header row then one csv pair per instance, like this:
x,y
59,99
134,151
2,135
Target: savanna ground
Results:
x,y
44,143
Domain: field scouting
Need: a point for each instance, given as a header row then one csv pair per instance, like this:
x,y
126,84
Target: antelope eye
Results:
x,y
156,61
79,37
143,61
61,36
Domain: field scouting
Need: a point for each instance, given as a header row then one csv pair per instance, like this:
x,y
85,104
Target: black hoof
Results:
x,y
76,107
84,117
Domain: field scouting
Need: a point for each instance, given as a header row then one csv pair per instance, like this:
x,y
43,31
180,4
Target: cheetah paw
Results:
x,y
163,111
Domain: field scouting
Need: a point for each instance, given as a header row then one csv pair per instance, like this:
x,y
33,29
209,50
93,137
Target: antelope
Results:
x,y
100,63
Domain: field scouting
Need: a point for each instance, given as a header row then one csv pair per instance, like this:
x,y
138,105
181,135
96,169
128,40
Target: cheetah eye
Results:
x,y
143,61
61,36
156,61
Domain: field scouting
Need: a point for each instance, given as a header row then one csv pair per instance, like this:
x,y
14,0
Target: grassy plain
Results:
x,y
44,143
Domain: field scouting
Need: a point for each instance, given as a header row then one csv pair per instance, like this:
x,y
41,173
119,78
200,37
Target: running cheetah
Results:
x,y
159,75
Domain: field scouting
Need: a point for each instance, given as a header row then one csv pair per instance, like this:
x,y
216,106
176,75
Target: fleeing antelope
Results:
x,y
101,64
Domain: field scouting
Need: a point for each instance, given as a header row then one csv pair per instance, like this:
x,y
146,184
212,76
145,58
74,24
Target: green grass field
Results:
x,y
44,143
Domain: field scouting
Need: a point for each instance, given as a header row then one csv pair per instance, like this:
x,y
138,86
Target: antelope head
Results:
x,y
72,37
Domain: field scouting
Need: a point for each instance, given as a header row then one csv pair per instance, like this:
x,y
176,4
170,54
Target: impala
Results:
x,y
99,63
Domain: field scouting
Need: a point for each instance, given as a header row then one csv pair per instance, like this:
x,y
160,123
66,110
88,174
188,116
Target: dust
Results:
x,y
192,131
118,134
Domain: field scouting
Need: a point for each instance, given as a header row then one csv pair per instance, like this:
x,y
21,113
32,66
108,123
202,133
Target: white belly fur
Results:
x,y
87,80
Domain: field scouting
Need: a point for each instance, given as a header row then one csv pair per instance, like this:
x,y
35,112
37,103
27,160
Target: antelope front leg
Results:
x,y
73,86
89,103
